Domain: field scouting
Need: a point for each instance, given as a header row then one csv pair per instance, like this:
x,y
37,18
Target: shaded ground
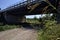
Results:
x,y
19,34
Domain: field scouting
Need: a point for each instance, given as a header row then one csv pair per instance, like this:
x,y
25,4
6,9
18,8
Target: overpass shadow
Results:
x,y
27,26
32,26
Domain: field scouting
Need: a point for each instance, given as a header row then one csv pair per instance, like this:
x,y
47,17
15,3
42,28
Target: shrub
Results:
x,y
50,32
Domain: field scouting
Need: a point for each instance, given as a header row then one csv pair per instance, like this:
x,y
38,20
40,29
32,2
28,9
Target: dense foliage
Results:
x,y
51,30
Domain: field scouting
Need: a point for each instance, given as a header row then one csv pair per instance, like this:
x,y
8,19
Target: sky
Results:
x,y
6,3
37,16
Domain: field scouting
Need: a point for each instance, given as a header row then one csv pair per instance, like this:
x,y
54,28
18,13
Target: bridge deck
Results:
x,y
21,8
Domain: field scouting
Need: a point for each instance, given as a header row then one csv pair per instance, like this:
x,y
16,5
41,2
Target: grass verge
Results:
x,y
7,27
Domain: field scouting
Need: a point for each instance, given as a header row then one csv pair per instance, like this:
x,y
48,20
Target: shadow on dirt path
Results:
x,y
27,26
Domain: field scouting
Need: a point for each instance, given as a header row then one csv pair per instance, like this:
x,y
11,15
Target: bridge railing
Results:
x,y
21,4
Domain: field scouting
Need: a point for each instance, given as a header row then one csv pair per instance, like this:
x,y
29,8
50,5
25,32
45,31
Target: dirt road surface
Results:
x,y
19,34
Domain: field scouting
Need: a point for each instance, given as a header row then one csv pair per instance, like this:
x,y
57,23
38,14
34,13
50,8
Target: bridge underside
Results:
x,y
25,11
16,15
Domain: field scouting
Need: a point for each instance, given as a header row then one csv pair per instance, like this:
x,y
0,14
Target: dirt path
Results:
x,y
19,34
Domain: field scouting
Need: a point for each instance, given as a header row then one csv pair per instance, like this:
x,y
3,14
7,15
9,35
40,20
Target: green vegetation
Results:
x,y
32,21
7,27
51,30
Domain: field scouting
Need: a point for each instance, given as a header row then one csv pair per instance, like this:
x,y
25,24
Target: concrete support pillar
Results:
x,y
14,19
58,12
22,19
1,17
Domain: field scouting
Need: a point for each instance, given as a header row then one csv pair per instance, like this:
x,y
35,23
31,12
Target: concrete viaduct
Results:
x,y
16,13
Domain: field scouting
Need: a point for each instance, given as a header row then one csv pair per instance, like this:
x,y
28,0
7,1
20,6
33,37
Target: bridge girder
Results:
x,y
41,8
24,10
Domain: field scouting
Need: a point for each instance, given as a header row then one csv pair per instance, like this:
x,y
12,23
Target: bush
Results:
x,y
50,32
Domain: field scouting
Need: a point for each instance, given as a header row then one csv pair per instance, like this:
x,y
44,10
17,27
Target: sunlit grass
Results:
x,y
7,27
33,21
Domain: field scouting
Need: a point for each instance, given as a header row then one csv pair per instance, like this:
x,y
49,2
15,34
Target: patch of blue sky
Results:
x,y
6,3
